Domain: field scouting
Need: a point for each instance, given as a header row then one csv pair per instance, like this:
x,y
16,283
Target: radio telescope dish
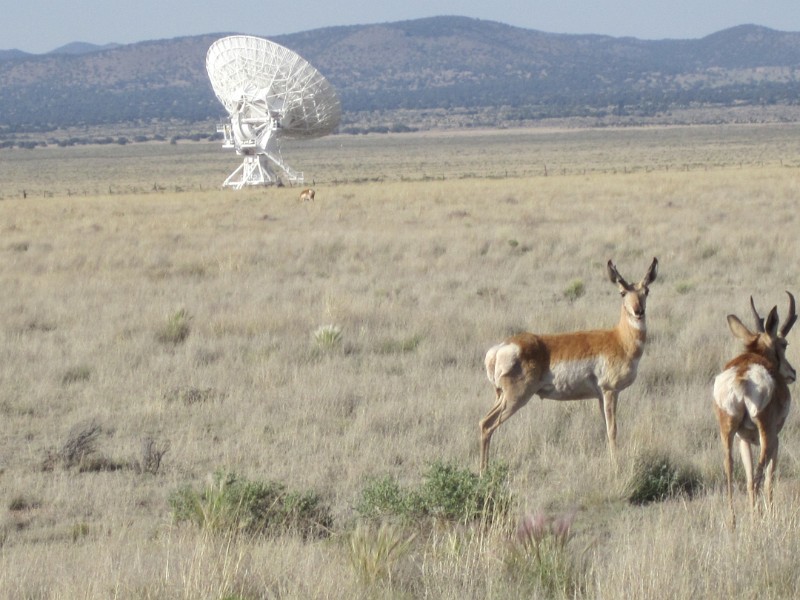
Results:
x,y
269,92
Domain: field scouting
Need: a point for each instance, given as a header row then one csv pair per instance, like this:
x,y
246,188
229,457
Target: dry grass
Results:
x,y
420,276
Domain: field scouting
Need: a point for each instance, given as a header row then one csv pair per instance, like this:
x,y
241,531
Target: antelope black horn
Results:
x,y
759,321
790,318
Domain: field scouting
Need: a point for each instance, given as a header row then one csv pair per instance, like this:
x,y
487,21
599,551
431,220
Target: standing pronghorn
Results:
x,y
307,195
752,399
570,366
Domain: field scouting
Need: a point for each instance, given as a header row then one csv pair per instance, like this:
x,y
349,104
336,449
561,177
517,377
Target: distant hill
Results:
x,y
439,63
9,54
82,48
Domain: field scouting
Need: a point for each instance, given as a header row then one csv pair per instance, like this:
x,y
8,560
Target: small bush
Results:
x,y
461,495
190,395
76,374
708,252
400,346
80,443
574,290
176,329
233,504
152,455
20,246
80,531
447,493
20,503
382,497
656,478
79,451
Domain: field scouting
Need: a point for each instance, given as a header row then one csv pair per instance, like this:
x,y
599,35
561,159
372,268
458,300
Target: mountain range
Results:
x,y
437,64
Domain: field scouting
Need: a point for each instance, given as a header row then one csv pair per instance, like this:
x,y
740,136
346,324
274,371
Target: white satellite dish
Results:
x,y
269,92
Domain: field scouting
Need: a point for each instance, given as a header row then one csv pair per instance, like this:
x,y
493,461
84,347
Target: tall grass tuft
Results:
x,y
328,337
176,329
232,504
539,558
374,551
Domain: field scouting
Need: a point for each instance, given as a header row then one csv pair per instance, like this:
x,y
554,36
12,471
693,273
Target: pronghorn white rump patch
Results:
x,y
500,360
752,394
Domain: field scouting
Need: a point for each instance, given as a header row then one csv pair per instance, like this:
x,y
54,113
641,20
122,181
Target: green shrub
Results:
x,y
79,531
382,497
400,346
461,495
447,492
234,504
76,374
575,290
656,478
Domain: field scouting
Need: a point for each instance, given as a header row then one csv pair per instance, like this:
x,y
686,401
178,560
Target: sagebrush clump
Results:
x,y
658,477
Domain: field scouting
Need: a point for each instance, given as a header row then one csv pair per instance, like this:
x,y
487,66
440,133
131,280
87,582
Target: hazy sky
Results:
x,y
42,25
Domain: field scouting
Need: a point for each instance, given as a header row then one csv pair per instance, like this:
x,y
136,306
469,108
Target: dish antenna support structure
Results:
x,y
270,93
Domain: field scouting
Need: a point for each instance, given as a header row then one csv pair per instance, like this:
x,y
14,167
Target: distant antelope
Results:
x,y
307,195
570,366
752,399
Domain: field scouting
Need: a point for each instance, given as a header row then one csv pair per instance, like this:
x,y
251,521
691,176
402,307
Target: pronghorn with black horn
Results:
x,y
752,399
570,366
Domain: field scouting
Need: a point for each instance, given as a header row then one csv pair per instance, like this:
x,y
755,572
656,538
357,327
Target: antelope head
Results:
x,y
768,340
634,297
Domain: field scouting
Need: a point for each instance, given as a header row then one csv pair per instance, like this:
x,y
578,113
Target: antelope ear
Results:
x,y
615,277
651,274
771,325
612,271
740,330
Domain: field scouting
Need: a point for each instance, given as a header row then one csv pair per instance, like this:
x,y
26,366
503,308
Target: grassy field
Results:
x,y
140,303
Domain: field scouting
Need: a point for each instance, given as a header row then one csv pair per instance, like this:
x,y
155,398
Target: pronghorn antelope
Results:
x,y
570,366
752,399
307,195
